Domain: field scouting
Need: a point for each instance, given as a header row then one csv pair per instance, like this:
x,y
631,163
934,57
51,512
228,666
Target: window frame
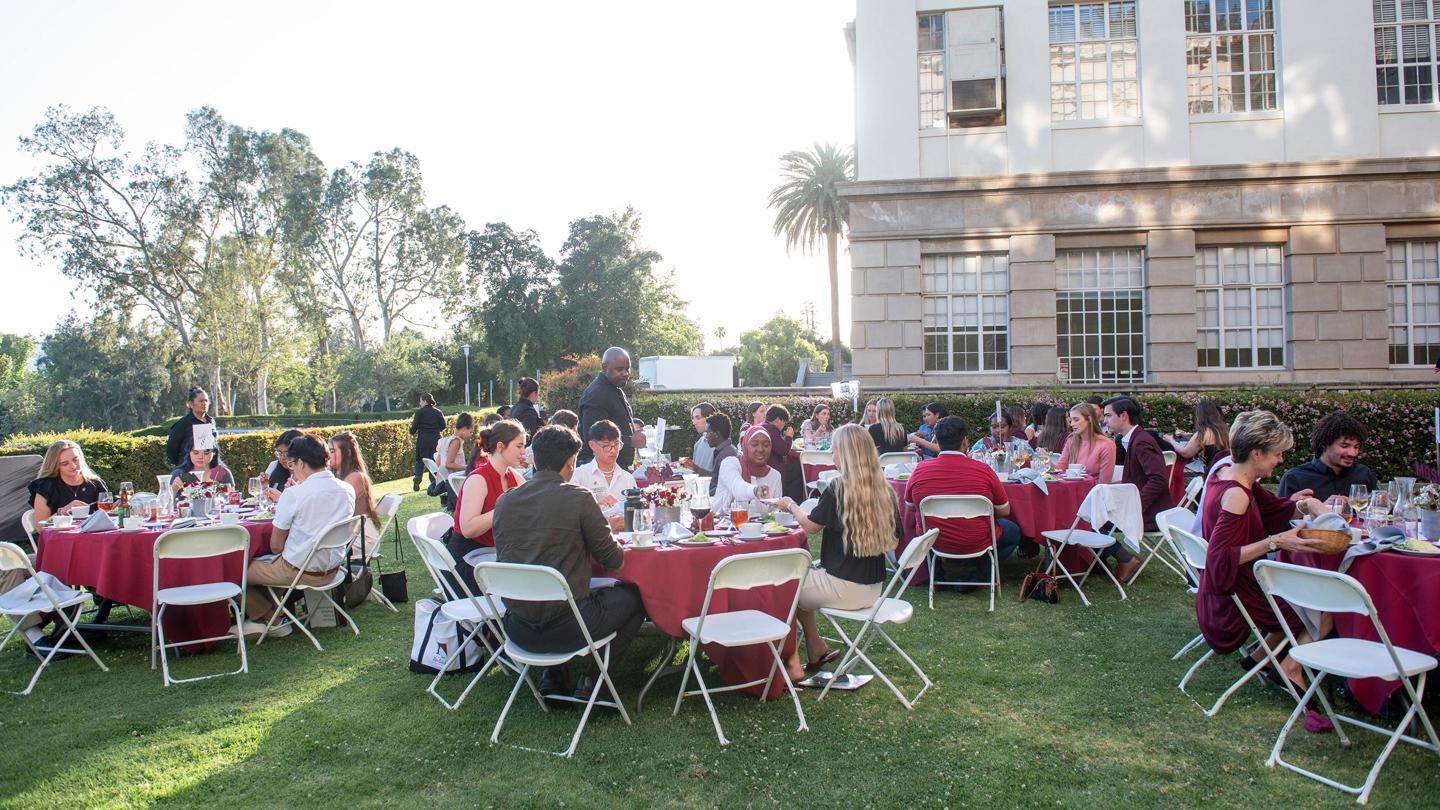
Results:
x,y
1430,24
948,119
979,294
1221,329
1134,291
1245,34
1109,41
1409,282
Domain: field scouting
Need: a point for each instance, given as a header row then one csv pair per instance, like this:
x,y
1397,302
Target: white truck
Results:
x,y
672,371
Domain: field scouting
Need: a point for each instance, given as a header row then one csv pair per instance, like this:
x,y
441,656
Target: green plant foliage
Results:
x,y
771,355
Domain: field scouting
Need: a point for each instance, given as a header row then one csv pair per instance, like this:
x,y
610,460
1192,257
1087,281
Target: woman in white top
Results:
x,y
450,455
748,476
605,478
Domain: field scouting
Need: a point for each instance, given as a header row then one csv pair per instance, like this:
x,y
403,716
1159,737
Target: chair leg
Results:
x,y
709,704
924,679
83,643
380,597
1055,563
994,576
341,611
164,660
1289,723
433,689
685,678
240,632
1109,574
784,673
500,721
930,562
845,660
1190,645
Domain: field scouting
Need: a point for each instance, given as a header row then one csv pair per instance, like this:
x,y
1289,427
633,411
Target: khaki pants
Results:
x,y
278,573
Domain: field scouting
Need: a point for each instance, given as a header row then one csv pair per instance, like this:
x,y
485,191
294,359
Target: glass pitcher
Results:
x,y
164,495
1406,515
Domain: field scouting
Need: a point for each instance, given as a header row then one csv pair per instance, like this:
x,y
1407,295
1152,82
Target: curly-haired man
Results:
x,y
1336,443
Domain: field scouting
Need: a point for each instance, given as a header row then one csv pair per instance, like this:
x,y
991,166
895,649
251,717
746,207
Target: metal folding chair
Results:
x,y
1158,545
193,544
961,507
386,510
34,596
338,535
1095,542
463,606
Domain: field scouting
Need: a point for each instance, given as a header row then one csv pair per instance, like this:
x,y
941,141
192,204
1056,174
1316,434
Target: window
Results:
x,y
1240,307
1407,36
1100,315
1414,303
1094,60
961,68
967,312
1230,55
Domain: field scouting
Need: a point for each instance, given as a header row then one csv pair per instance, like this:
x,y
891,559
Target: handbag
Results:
x,y
393,584
1040,586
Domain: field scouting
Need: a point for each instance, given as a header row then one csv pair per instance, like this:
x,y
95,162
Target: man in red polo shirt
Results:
x,y
954,473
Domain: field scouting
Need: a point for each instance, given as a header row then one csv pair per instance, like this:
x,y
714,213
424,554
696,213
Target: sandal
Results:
x,y
828,657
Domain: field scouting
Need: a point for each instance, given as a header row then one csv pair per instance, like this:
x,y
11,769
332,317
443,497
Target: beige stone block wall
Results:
x,y
1338,317
1033,358
885,309
1170,304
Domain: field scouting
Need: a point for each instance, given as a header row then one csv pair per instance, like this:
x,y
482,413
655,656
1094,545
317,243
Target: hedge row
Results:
x,y
1401,423
309,420
388,448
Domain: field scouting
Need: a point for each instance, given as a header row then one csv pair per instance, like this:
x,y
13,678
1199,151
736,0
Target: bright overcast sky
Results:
x,y
530,113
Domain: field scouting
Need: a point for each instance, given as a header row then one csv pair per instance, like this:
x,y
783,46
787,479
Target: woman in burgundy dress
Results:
x,y
1243,522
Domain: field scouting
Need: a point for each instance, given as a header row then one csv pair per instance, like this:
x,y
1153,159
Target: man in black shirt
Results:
x,y
1336,443
182,433
524,410
426,427
605,399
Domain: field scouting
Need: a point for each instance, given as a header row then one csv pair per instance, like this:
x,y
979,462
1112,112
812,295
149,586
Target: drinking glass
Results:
x,y
253,487
738,514
1359,498
127,488
105,501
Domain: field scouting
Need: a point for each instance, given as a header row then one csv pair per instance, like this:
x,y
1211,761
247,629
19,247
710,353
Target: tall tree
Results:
x,y
108,373
809,210
771,355
517,308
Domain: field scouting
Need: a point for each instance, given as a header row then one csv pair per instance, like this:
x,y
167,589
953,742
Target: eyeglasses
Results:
x,y
608,445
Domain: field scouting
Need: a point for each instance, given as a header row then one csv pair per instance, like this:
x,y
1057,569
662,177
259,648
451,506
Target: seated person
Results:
x,y
889,435
565,418
1087,446
315,501
1210,440
1335,442
203,467
557,524
954,473
602,476
815,431
1243,522
65,480
861,524
748,476
277,475
702,456
348,464
1144,466
717,435
1001,439
1053,433
499,455
450,454
924,436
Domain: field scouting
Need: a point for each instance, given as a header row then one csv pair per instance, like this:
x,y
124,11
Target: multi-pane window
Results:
x,y
1407,38
1100,315
1240,307
1414,286
961,57
1230,55
967,312
1094,59
932,71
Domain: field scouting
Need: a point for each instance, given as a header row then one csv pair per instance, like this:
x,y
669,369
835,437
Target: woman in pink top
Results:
x,y
1087,445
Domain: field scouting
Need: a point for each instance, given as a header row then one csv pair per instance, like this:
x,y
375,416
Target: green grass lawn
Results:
x,y
1033,705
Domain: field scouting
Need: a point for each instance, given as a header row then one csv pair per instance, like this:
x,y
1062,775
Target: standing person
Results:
x,y
860,523
1211,438
1144,467
1336,442
601,476
605,398
426,427
348,464
554,523
816,429
1087,446
717,435
182,433
702,455
65,480
1053,432
924,436
888,434
499,455
524,410
748,476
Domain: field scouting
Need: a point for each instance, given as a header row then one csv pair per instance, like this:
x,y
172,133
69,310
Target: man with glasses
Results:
x,y
602,475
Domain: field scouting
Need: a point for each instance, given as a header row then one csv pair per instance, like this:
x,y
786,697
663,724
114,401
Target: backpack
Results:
x,y
437,639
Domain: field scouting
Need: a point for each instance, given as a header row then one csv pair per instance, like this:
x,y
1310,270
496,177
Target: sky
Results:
x,y
534,114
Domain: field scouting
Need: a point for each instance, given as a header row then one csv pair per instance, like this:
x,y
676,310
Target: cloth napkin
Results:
x,y
98,522
1118,505
898,469
1029,475
27,594
187,522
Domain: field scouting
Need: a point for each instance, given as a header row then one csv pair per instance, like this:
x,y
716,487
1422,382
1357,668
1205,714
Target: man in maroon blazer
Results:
x,y
1144,467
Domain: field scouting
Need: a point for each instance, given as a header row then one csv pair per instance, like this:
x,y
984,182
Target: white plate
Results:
x,y
694,544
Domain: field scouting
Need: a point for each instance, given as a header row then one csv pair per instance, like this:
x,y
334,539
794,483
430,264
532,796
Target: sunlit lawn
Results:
x,y
1033,705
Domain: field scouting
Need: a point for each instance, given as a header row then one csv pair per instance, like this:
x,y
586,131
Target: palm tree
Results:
x,y
808,208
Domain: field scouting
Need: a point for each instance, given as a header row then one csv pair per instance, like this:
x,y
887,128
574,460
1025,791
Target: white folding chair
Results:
x,y
1194,549
434,469
742,628
816,458
31,597
32,533
540,583
1331,592
193,544
462,606
457,480
432,526
823,480
890,608
1191,499
338,535
905,457
962,507
1170,457
1158,545
386,510
1095,542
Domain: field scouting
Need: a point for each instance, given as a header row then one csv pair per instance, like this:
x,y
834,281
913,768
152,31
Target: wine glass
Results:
x,y
1359,497
127,488
104,501
253,487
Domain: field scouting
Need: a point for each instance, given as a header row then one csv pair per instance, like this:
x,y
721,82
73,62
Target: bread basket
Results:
x,y
1333,541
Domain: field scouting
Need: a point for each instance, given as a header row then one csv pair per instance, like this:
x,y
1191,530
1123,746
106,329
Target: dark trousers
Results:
x,y
616,609
425,445
792,481
979,569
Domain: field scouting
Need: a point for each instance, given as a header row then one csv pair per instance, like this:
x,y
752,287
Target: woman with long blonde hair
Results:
x,y
1087,446
65,480
887,433
860,521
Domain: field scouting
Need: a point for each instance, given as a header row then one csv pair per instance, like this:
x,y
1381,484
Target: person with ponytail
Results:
x,y
499,456
348,464
860,521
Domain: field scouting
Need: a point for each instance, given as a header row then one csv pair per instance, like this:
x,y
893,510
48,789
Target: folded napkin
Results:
x,y
1028,475
187,522
898,469
673,532
98,522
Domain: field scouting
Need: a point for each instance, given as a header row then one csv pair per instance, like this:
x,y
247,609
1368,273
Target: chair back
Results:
x,y
825,477
809,504
1192,493
457,480
339,534
201,541
905,457
523,583
818,458
1192,548
1313,588
760,569
916,552
386,510
27,523
1170,457
12,557
424,531
955,506
1176,516
431,467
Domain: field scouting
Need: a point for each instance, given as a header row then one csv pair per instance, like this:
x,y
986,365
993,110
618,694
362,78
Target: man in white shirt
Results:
x,y
314,500
602,475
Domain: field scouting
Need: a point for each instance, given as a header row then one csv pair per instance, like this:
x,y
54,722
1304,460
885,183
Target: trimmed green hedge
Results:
x,y
310,420
1401,422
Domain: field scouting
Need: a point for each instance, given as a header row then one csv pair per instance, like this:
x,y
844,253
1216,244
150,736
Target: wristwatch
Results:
x,y
1273,545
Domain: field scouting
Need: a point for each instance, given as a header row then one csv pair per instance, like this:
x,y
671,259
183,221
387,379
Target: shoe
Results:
x,y
828,657
585,686
254,629
415,485
1124,571
1267,673
555,681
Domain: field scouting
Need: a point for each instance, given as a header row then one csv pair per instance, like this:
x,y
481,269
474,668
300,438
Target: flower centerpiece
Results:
x,y
203,497
667,501
1427,500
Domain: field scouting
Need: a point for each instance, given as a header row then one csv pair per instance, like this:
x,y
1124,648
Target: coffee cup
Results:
x,y
80,512
62,521
643,539
229,517
751,530
133,523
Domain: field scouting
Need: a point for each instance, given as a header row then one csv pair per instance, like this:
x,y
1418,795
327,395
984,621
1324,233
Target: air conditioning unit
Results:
x,y
973,57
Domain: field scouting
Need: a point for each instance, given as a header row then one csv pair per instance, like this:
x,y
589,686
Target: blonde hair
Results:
x,y
50,467
1257,431
867,501
885,418
1077,441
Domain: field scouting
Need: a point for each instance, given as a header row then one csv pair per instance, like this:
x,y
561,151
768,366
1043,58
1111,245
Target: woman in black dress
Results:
x,y
426,427
65,480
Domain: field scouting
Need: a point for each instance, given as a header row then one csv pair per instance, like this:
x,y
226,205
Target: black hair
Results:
x,y
194,392
720,423
1334,427
428,399
528,386
1095,399
554,445
951,432
502,411
604,431
1038,412
752,408
705,409
288,436
565,418
1127,406
777,411
309,451
505,431
937,409
464,420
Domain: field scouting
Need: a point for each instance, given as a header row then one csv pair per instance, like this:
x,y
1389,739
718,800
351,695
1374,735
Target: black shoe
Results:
x,y
585,686
415,485
555,681
1267,673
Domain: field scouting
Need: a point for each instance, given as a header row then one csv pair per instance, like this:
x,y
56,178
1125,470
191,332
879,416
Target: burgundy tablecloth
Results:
x,y
1406,593
672,583
121,566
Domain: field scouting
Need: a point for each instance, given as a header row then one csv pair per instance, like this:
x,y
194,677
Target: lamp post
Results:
x,y
466,348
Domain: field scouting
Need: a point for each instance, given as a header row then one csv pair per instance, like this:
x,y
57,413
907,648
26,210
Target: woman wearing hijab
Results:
x,y
748,476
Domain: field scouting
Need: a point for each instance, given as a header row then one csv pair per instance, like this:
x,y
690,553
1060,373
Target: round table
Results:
x,y
120,566
672,582
1406,593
